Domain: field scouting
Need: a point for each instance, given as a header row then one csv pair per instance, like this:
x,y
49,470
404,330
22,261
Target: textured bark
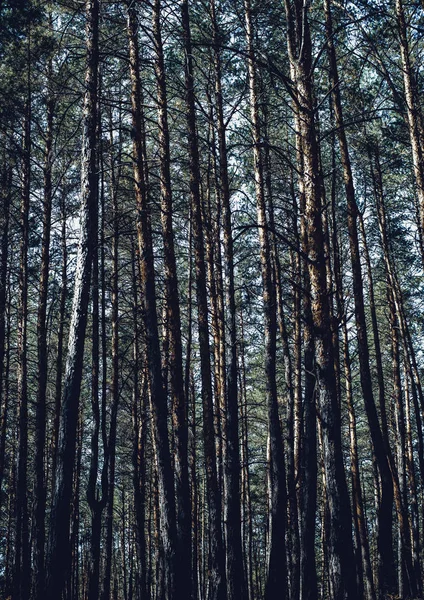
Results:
x,y
292,535
276,578
305,436
339,540
158,397
59,551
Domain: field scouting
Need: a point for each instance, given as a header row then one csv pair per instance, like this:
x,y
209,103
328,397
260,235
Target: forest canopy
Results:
x,y
211,300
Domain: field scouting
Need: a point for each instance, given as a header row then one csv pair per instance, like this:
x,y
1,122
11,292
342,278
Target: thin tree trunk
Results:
x,y
377,435
60,336
4,339
365,576
59,544
21,581
179,407
159,401
217,576
140,439
276,578
292,536
40,417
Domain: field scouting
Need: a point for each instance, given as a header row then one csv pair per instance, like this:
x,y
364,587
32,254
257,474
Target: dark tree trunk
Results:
x,y
59,551
217,576
339,539
364,570
159,401
21,583
60,336
140,438
179,399
4,341
276,578
40,416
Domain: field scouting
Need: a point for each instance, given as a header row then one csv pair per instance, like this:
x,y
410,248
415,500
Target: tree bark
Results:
x,y
59,544
179,399
21,582
276,577
339,541
217,576
159,401
40,428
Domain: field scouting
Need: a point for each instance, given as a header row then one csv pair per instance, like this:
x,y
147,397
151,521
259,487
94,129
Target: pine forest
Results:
x,y
212,300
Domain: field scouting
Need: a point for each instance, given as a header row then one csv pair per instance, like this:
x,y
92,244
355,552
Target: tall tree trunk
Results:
x,y
179,399
111,442
276,580
140,438
305,434
159,401
365,576
339,540
59,545
245,454
4,341
217,576
21,581
95,502
292,535
398,323
40,427
380,447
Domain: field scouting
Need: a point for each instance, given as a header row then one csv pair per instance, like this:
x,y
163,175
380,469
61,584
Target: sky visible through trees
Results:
x,y
211,300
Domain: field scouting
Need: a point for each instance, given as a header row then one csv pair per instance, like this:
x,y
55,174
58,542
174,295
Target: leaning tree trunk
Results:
x,y
59,551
